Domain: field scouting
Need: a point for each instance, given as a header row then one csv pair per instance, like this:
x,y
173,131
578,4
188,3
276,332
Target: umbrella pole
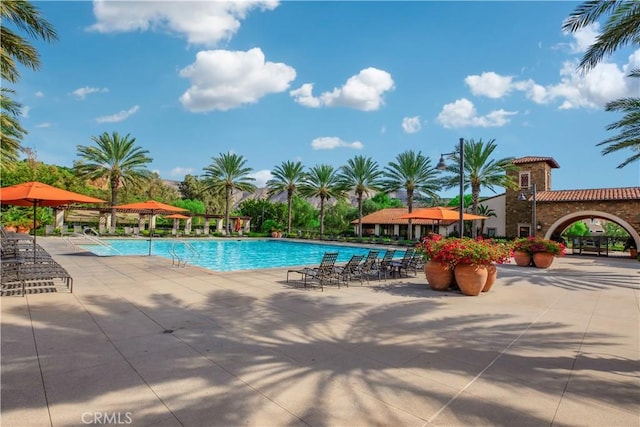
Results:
x,y
34,230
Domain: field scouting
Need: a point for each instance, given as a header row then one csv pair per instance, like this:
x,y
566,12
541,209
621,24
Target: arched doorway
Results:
x,y
562,223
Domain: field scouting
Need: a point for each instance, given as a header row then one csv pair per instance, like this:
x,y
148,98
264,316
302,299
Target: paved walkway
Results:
x,y
140,342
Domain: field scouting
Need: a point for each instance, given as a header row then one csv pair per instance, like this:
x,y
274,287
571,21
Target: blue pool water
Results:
x,y
233,255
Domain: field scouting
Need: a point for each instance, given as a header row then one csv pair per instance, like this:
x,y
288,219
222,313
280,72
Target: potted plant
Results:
x,y
542,251
437,270
464,259
630,244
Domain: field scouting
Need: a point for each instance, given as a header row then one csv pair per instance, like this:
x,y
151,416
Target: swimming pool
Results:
x,y
233,255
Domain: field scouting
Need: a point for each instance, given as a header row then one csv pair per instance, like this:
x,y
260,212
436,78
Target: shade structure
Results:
x,y
440,214
150,207
177,216
36,194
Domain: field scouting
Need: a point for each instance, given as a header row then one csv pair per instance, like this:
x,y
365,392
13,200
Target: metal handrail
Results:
x,y
180,260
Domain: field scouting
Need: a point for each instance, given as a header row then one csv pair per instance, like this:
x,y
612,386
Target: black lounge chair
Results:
x,y
324,274
348,271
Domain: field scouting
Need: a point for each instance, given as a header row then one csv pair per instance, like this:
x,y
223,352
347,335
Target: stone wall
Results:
x,y
547,213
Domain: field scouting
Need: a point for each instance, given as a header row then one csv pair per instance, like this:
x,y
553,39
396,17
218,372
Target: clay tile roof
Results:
x,y
390,215
597,194
533,159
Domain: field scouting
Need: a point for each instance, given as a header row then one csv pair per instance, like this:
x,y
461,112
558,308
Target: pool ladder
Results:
x,y
183,252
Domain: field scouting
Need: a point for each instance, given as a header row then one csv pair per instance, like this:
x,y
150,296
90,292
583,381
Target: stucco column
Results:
x,y
206,226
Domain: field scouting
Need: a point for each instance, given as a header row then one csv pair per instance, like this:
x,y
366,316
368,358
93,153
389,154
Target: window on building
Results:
x,y
525,179
491,231
524,231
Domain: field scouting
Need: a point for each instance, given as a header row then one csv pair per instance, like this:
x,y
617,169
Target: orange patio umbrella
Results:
x,y
36,194
150,207
440,214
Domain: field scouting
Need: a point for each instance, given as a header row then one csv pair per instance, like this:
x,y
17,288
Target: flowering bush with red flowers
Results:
x,y
453,251
532,245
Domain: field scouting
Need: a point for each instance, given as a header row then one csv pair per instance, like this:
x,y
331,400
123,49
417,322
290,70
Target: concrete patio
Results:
x,y
142,343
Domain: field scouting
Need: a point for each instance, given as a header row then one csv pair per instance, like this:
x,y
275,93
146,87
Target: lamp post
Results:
x,y
442,166
523,197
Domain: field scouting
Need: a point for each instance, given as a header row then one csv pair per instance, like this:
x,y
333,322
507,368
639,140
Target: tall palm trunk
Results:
x,y
226,210
359,214
321,217
410,207
475,196
289,210
114,200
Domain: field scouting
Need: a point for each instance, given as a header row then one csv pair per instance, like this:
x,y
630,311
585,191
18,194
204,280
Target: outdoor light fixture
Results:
x,y
522,197
442,166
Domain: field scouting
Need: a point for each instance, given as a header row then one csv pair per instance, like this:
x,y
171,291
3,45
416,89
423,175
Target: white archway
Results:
x,y
594,214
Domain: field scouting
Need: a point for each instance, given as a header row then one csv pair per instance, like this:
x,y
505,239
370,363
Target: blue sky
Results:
x,y
322,82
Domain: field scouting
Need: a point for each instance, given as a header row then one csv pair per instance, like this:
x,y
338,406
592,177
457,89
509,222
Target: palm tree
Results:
x,y
11,130
485,210
629,125
228,173
286,177
322,181
622,27
26,17
362,175
15,50
480,170
115,158
412,172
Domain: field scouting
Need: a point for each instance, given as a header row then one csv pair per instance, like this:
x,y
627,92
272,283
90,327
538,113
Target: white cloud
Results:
x,y
331,142
604,83
462,113
303,96
118,117
224,79
364,91
261,177
411,124
44,125
489,84
82,92
202,22
39,94
24,112
584,38
180,171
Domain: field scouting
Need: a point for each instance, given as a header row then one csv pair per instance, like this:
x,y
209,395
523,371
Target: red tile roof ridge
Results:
x,y
590,194
535,159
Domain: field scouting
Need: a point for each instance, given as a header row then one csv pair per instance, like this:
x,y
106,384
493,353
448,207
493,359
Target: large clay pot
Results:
x,y
492,275
470,278
439,276
523,259
543,259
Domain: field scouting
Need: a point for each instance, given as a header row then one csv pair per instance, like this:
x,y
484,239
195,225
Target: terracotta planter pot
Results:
x,y
633,253
543,259
276,234
522,259
21,229
11,228
492,275
470,278
438,276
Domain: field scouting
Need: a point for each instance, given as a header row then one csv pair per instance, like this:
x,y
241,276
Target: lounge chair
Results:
x,y
348,271
368,266
384,267
398,266
323,274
